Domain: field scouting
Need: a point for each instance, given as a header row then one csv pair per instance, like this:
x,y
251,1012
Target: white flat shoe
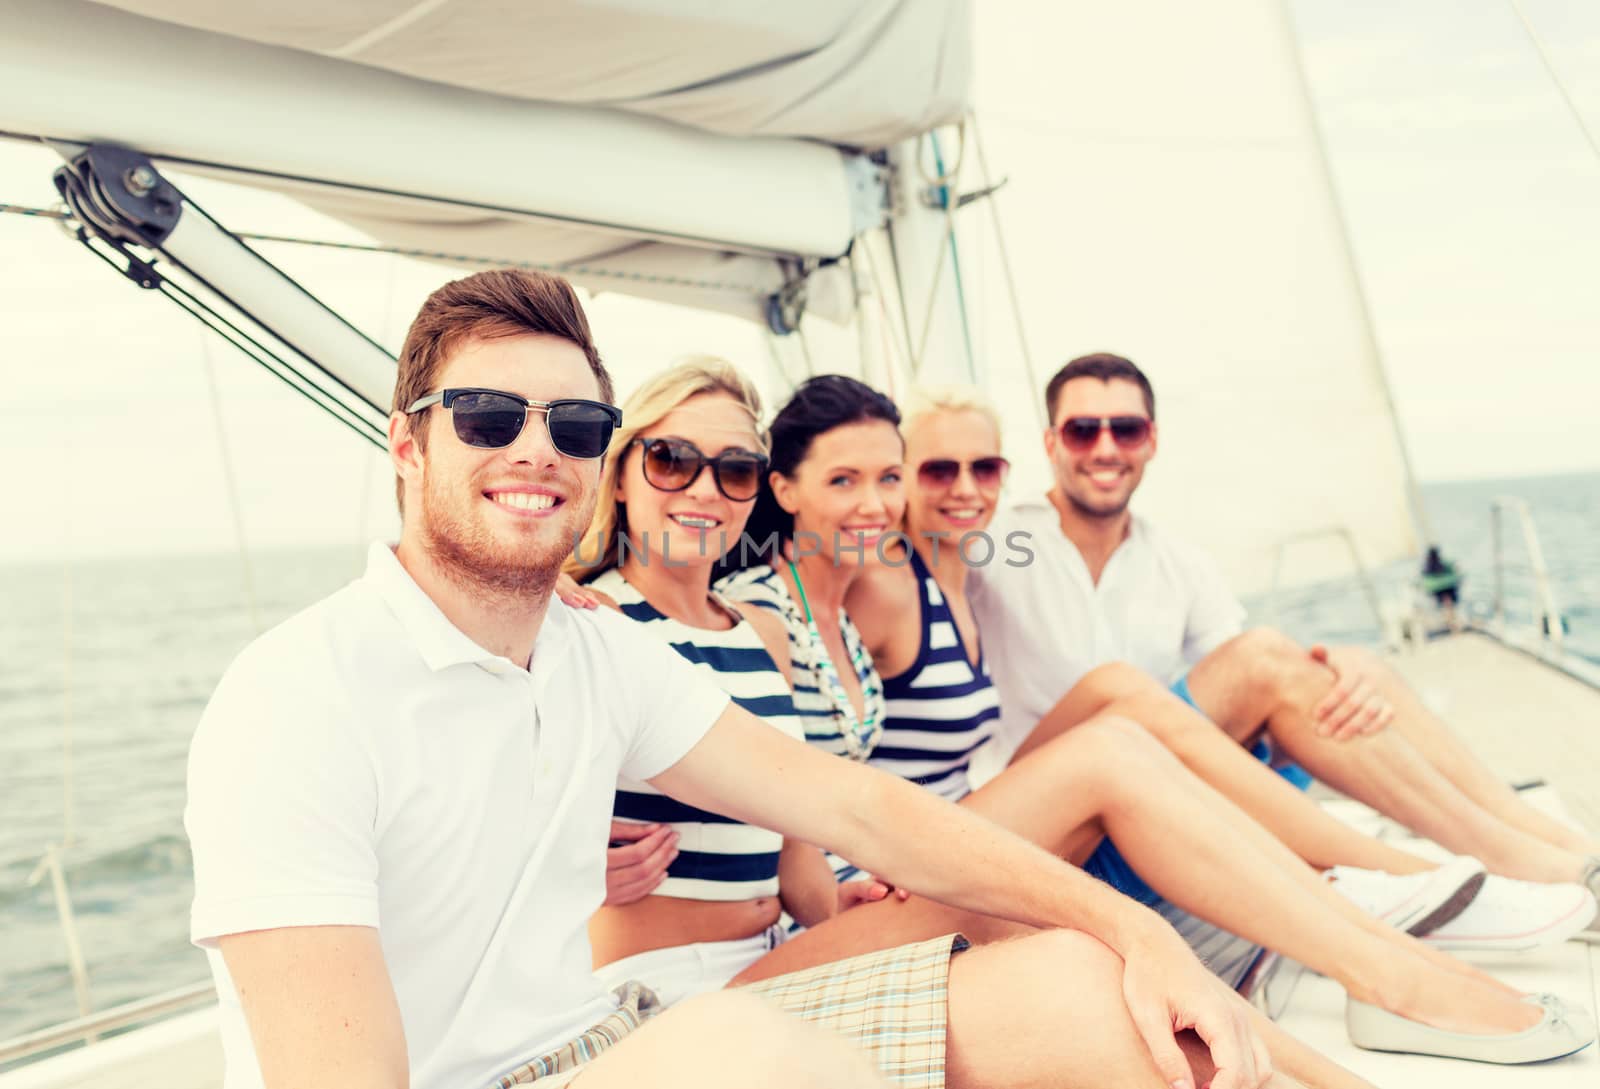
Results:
x,y
1563,1029
1417,903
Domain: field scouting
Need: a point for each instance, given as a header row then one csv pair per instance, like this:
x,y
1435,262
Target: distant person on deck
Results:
x,y
1442,582
1106,585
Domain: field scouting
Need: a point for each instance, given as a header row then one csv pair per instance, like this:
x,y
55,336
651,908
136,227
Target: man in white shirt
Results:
x,y
1102,585
399,799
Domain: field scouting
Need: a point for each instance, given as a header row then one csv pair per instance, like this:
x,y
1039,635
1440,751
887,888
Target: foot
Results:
x,y
1416,990
1558,1029
1517,916
1419,903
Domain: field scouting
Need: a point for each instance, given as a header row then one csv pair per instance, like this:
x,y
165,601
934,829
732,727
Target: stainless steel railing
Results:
x,y
96,1024
1548,617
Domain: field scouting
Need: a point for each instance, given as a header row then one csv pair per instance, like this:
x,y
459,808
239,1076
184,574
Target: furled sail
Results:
x,y
1167,196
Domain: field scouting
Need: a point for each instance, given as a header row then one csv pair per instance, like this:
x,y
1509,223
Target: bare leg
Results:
x,y
1029,990
1262,676
1203,855
1441,748
754,1044
1272,802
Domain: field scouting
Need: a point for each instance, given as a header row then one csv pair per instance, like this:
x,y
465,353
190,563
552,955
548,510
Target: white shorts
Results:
x,y
682,971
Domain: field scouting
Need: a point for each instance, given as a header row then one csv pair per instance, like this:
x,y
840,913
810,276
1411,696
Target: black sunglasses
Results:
x,y
491,419
988,473
671,465
1080,433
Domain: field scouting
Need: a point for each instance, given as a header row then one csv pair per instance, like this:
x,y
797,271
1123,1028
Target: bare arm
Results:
x,y
805,883
320,1006
884,603
892,828
917,841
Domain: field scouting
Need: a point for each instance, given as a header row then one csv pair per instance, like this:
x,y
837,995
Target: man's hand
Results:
x,y
638,859
1168,991
1353,707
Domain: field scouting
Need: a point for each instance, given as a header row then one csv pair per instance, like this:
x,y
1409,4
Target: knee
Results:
x,y
1046,959
1121,751
1269,659
1115,681
769,1045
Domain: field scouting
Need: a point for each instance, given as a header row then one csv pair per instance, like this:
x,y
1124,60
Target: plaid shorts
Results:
x,y
636,1004
892,1003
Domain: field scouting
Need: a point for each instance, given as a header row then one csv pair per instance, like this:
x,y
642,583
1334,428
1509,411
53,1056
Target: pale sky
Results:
x,y
1473,201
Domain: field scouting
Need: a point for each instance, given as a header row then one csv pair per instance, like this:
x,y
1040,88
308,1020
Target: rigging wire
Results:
x,y
1034,388
897,336
946,241
948,197
230,480
565,269
1555,77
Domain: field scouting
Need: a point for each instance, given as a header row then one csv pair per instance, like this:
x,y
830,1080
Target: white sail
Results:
x,y
1167,201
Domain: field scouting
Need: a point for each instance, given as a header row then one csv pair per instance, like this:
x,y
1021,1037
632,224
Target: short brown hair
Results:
x,y
484,306
1104,366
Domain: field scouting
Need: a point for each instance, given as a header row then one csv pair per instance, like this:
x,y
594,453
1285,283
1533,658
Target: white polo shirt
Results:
x,y
366,763
1161,605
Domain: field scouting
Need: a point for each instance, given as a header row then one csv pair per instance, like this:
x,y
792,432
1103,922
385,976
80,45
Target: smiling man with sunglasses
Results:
x,y
1106,586
399,799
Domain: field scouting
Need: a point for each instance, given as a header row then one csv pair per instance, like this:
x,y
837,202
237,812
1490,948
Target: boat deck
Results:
x,y
1526,719
1528,722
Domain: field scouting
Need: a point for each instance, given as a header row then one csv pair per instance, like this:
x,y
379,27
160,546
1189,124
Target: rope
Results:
x,y
900,351
1555,77
69,830
946,240
585,271
230,481
955,247
1035,390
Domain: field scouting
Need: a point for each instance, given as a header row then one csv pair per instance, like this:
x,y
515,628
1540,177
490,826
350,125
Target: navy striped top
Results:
x,y
718,858
942,709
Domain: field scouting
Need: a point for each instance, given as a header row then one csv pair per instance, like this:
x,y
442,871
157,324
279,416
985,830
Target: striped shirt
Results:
x,y
718,858
943,708
828,725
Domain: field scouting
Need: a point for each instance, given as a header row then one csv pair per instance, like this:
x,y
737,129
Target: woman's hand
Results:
x,y
867,890
582,597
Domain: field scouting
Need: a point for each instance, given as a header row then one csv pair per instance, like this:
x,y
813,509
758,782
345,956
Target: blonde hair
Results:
x,y
651,403
928,400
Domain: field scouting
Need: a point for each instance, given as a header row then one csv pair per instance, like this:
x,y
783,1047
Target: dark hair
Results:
x,y
817,406
1104,366
484,306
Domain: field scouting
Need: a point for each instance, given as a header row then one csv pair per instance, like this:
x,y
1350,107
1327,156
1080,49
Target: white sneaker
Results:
x,y
1517,916
1417,903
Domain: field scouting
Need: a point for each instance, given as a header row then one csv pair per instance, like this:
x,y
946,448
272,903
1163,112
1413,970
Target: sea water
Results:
x,y
106,665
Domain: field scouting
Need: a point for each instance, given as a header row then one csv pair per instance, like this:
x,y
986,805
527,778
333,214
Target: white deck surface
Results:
x,y
1526,720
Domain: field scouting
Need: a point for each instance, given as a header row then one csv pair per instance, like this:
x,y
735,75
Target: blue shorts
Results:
x,y
1107,862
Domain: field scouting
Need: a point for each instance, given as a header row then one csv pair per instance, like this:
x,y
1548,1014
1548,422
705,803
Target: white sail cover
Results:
x,y
862,73
691,151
